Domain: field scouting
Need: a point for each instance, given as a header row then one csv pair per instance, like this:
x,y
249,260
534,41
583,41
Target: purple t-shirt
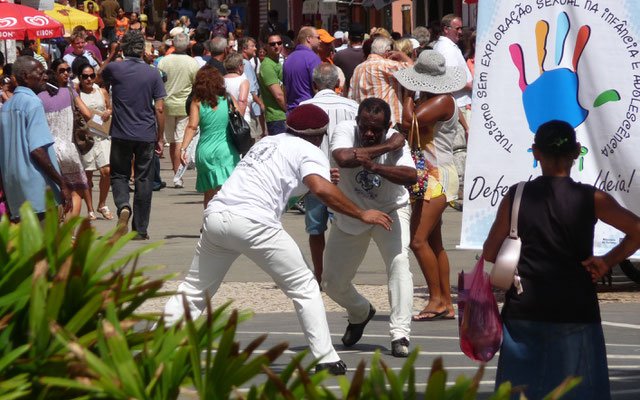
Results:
x,y
134,86
298,75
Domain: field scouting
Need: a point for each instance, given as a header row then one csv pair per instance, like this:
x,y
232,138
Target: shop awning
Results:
x,y
329,6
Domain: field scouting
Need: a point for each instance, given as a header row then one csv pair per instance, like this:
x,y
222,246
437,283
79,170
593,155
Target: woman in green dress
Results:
x,y
216,155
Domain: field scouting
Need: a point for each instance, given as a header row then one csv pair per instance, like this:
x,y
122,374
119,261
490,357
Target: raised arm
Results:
x,y
351,157
333,198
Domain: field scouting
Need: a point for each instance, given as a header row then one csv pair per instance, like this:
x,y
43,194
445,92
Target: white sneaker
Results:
x,y
178,183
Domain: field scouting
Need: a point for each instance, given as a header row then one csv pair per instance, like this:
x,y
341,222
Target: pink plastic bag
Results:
x,y
479,320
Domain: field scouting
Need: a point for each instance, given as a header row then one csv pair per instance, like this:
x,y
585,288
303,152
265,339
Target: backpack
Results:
x,y
220,29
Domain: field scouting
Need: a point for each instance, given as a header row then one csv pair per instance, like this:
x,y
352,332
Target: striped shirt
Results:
x,y
374,78
338,109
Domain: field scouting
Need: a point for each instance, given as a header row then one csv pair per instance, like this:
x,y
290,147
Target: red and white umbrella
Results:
x,y
18,22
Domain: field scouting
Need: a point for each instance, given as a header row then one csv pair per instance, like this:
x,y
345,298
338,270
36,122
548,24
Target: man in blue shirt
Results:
x,y
136,130
27,160
247,46
298,68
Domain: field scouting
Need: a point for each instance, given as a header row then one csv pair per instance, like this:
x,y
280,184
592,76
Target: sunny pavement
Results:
x,y
176,219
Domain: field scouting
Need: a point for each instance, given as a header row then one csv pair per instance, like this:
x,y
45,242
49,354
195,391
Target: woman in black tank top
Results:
x,y
552,329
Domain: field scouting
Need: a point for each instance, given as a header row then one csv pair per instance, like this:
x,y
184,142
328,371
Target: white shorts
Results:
x,y
256,129
98,156
174,127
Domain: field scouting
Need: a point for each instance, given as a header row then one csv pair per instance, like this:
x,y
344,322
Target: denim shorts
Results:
x,y
316,215
541,355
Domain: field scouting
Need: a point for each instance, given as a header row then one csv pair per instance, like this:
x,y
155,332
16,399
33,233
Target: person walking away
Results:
x,y
298,67
216,155
109,13
348,59
270,81
181,70
437,117
237,84
244,218
28,164
374,166
136,130
552,329
97,159
58,106
338,108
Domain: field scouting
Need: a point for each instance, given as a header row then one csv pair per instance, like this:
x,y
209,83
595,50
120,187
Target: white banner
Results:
x,y
538,60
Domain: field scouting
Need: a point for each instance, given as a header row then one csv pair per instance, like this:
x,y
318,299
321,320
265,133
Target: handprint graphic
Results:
x,y
554,95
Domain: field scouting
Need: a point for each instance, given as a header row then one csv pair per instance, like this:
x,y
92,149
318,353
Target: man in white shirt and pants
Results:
x,y
244,218
375,165
447,45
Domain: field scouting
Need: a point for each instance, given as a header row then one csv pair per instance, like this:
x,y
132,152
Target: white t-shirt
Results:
x,y
453,58
267,177
366,189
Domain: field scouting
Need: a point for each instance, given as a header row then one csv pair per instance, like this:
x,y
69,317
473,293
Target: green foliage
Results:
x,y
70,329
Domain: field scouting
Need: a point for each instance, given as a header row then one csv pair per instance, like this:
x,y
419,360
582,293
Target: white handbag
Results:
x,y
505,270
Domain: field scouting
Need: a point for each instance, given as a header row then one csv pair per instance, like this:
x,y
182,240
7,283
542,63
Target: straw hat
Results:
x,y
224,11
429,74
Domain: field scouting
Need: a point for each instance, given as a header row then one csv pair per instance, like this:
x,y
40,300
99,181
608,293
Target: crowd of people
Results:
x,y
367,127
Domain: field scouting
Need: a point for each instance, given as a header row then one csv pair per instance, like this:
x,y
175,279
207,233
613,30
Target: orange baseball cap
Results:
x,y
325,36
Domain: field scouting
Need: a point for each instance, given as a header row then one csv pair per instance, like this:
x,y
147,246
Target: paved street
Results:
x,y
176,220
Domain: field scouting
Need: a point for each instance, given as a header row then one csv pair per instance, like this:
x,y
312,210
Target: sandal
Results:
x,y
430,315
92,216
106,213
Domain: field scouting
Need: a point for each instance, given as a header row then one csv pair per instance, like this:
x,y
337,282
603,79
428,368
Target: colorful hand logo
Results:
x,y
554,95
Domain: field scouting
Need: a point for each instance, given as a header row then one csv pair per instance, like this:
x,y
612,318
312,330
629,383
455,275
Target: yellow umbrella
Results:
x,y
72,17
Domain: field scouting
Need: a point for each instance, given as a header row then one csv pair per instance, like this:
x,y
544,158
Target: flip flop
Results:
x,y
430,315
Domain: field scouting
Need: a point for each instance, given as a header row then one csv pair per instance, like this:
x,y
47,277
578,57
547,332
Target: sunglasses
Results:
x,y
274,44
87,76
63,70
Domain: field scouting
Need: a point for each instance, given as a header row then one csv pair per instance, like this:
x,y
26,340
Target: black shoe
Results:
x,y
141,237
159,186
299,206
334,368
354,331
400,347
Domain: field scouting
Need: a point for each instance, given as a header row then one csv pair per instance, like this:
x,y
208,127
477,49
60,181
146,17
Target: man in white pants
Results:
x,y
375,164
244,218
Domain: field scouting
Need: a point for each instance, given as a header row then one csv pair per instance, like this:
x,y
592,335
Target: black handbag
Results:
x,y
82,138
239,129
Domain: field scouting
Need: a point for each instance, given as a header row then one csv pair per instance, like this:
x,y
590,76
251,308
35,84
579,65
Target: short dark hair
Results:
x,y
556,139
374,105
197,49
132,44
26,51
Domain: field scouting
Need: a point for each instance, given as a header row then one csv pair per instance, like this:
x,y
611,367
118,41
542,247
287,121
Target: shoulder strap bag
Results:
x,y
239,128
505,270
418,189
81,136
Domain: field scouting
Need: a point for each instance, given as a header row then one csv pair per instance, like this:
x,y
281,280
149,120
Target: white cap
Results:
x,y
338,35
415,43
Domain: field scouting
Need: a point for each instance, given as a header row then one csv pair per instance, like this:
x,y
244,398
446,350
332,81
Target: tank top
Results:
x,y
443,134
233,88
556,225
94,99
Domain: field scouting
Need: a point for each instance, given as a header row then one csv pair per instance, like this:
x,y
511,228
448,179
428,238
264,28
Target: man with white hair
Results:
x,y
219,50
374,77
338,108
181,70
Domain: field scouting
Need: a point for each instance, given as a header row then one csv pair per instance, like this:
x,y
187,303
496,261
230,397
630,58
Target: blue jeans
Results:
x,y
276,127
541,355
316,215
